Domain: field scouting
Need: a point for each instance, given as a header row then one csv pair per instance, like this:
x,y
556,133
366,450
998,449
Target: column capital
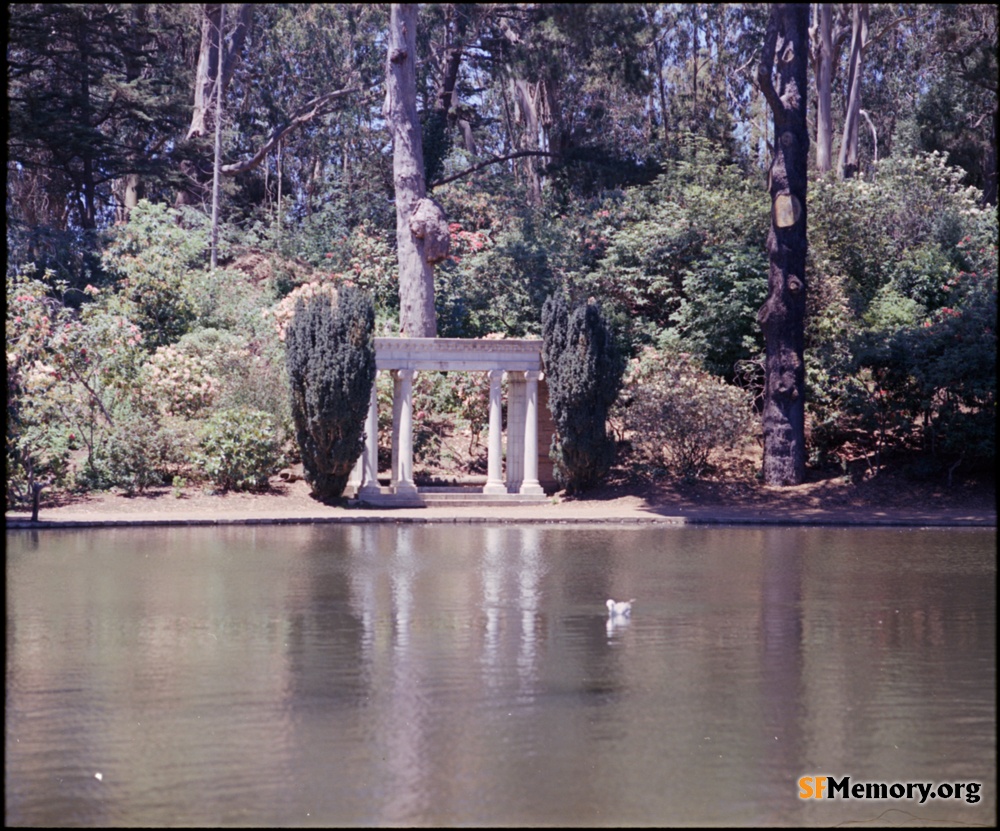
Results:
x,y
533,375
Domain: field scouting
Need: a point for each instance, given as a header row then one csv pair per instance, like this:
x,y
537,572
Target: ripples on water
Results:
x,y
434,675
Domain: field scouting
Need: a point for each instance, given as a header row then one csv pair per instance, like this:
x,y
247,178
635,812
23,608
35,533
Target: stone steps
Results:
x,y
448,497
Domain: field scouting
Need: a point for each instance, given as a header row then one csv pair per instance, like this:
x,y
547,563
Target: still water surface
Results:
x,y
468,675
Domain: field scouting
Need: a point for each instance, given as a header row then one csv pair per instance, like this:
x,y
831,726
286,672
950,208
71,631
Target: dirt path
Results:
x,y
822,501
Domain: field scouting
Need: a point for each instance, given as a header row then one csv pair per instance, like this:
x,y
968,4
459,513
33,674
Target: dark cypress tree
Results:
x,y
331,369
583,369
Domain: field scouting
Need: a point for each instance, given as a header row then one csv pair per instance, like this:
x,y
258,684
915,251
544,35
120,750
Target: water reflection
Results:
x,y
616,626
420,675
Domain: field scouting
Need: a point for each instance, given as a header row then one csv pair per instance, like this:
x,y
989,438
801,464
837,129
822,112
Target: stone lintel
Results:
x,y
459,354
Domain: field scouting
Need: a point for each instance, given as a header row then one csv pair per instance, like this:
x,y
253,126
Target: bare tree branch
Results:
x,y
306,113
96,398
520,154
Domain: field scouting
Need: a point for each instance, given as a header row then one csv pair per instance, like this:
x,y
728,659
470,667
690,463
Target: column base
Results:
x,y
494,488
532,489
405,489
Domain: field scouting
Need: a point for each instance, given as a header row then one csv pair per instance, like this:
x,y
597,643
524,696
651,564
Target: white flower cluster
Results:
x,y
283,312
40,378
181,382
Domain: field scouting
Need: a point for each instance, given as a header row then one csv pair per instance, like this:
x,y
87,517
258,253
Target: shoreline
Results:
x,y
575,513
818,502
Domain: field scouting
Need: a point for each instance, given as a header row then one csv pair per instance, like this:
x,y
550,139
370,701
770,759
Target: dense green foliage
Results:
x,y
583,368
678,415
901,339
646,193
331,369
240,449
93,403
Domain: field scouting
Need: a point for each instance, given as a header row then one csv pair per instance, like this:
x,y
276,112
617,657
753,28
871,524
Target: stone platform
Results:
x,y
447,497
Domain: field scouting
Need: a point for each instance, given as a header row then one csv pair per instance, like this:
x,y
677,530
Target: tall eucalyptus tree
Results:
x,y
421,230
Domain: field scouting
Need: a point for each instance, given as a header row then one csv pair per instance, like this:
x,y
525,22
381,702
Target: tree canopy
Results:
x,y
614,152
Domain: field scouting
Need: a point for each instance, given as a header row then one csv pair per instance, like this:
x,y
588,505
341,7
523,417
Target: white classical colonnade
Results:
x,y
520,360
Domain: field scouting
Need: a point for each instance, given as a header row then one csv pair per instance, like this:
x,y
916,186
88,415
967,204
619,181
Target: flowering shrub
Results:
x,y
471,396
39,394
373,267
465,242
181,383
283,312
152,257
678,415
133,452
240,449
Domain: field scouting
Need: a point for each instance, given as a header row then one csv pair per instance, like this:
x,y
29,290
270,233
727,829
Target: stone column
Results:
x,y
354,480
494,471
402,429
531,485
515,431
369,456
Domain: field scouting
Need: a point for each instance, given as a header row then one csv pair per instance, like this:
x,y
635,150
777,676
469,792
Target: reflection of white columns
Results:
x,y
494,474
531,485
528,573
493,573
369,456
402,407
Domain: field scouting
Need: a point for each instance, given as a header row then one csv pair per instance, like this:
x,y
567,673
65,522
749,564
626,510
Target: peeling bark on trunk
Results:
x,y
847,163
207,72
526,97
417,317
215,66
826,40
782,77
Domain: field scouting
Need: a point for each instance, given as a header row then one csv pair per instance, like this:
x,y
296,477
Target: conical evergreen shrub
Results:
x,y
584,369
331,368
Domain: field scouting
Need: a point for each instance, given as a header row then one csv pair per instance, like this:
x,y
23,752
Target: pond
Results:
x,y
383,674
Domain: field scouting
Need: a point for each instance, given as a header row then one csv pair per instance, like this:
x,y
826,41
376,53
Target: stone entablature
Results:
x,y
459,354
520,360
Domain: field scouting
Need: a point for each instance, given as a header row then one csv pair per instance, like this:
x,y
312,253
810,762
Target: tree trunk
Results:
x,y
215,65
207,71
847,163
416,276
826,41
526,97
782,317
217,153
86,177
441,118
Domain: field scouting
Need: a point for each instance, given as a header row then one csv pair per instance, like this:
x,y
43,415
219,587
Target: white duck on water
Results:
x,y
620,608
